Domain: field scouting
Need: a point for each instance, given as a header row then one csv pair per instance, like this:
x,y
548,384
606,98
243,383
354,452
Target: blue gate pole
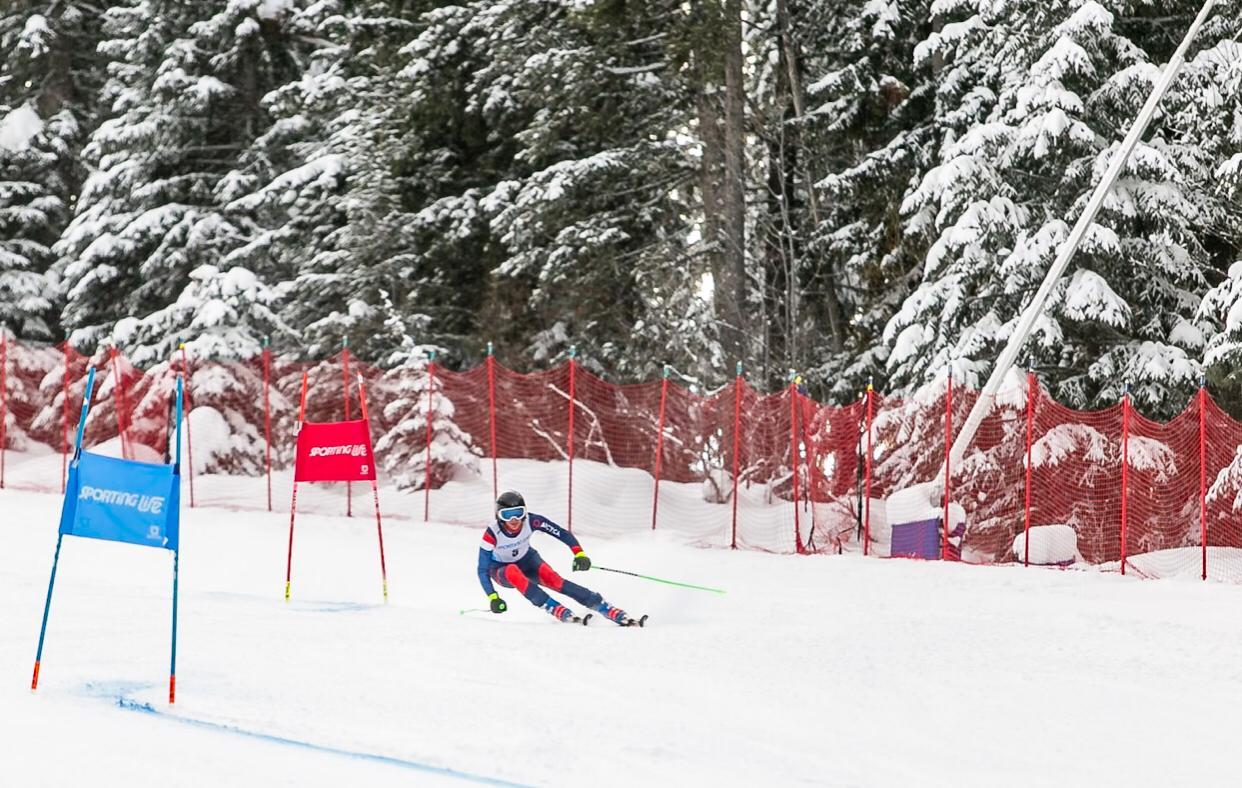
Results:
x,y
47,605
172,667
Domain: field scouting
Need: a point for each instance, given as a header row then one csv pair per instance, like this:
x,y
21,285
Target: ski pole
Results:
x,y
659,580
464,611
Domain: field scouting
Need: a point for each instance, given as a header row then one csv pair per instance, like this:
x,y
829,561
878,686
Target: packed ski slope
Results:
x,y
822,670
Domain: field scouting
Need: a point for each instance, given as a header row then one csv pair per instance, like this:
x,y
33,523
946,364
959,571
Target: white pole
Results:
x,y
1005,361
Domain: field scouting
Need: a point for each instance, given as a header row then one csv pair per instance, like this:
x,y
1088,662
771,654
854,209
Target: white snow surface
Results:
x,y
19,127
811,669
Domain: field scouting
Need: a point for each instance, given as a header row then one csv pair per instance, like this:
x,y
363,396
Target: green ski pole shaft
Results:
x,y
660,580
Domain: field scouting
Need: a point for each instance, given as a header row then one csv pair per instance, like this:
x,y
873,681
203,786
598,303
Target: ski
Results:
x,y
581,619
634,622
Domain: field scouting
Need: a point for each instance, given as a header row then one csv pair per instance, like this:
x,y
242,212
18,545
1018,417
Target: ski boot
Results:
x,y
613,614
562,613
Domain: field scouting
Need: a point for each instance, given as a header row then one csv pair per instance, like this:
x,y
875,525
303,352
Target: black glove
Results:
x,y
498,604
581,562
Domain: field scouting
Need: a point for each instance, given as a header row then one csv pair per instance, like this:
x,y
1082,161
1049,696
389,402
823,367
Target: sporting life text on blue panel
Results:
x,y
122,501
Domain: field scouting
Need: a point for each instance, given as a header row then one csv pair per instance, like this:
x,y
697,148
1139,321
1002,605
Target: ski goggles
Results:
x,y
511,513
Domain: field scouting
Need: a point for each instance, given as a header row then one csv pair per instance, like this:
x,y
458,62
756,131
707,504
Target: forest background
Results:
x,y
853,189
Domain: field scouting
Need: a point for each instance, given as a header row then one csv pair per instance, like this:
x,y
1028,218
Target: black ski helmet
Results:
x,y
507,499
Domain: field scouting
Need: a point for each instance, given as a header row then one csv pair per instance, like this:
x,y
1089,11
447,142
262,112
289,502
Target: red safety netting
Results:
x,y
731,467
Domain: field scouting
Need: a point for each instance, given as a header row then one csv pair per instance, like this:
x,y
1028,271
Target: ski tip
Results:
x,y
586,619
642,622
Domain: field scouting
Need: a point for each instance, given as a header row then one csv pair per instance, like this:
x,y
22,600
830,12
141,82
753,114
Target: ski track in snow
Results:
x,y
811,670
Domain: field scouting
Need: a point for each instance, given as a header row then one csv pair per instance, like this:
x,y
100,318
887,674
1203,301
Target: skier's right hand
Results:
x,y
498,604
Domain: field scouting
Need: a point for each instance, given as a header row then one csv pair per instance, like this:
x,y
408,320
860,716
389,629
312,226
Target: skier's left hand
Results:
x,y
581,562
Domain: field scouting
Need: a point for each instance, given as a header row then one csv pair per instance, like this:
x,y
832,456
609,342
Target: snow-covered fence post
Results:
x,y
64,421
118,398
1030,435
655,496
867,481
189,439
491,411
794,446
4,396
948,443
737,431
267,415
1125,469
569,439
349,487
1203,475
431,387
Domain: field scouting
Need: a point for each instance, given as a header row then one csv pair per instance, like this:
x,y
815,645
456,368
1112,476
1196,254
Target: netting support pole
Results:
x,y
867,479
379,524
293,503
948,443
491,411
793,451
349,486
655,496
64,422
1203,475
267,416
431,386
1030,434
813,476
4,397
189,436
737,431
569,439
1125,470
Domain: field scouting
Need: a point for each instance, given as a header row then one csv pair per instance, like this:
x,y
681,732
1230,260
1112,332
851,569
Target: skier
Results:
x,y
507,558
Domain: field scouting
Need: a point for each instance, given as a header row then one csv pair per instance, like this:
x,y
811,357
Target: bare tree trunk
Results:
x,y
720,131
789,53
735,172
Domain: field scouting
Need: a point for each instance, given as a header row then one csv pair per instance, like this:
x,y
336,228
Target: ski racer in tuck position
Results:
x,y
507,558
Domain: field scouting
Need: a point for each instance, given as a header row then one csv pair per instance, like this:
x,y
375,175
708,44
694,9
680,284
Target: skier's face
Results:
x,y
511,518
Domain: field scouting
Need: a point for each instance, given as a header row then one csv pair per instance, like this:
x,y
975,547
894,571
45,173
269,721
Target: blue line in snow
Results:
x,y
133,705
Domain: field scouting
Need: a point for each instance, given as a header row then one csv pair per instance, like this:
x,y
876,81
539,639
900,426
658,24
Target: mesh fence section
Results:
x,y
990,481
1222,484
732,467
1076,475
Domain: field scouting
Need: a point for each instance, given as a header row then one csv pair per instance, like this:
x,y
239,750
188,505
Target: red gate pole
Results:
x,y
1203,473
189,440
793,451
867,483
948,443
431,385
349,486
379,525
118,399
267,416
573,351
655,497
293,503
1030,435
491,411
737,429
4,396
64,421
1125,469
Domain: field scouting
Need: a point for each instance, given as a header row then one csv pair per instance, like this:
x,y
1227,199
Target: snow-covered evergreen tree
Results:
x,y
184,98
1031,97
46,98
